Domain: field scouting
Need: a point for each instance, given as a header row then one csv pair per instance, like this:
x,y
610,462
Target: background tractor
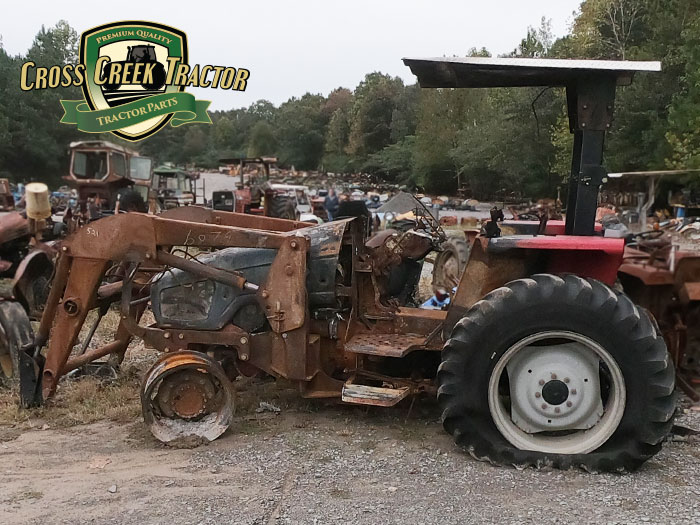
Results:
x,y
538,361
257,195
104,173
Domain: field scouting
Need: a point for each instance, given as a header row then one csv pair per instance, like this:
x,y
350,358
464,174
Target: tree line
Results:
x,y
492,141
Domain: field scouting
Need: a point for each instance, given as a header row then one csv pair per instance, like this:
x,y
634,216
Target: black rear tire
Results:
x,y
15,333
283,208
450,263
542,303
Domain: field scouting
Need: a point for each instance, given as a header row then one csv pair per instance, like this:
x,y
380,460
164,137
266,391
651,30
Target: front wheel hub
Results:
x,y
187,395
555,392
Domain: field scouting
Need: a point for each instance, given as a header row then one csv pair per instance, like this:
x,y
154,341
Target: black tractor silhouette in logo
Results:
x,y
137,54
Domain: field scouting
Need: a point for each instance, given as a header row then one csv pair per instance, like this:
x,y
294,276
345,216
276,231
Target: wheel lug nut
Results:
x,y
566,380
557,410
537,394
544,406
554,376
573,391
569,403
541,382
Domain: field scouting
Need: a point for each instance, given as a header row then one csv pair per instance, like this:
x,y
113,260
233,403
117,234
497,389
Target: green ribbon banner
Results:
x,y
186,110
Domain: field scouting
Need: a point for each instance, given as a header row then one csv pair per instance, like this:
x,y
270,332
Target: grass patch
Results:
x,y
77,402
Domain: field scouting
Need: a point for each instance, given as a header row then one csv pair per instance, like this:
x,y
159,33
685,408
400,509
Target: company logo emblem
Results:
x,y
133,76
127,88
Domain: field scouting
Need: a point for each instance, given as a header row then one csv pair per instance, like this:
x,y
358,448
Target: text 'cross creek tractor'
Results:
x,y
538,360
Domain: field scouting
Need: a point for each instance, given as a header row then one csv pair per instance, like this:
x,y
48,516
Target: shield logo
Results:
x,y
143,46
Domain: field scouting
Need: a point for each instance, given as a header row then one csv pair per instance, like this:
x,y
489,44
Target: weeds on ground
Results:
x,y
78,401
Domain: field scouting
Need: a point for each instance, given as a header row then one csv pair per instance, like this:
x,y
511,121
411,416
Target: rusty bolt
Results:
x,y
573,391
166,335
293,244
265,294
181,336
244,357
244,340
544,406
71,307
537,394
288,269
148,256
65,249
541,382
284,335
569,403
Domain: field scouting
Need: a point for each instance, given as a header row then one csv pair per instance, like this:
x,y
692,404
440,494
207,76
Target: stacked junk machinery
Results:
x,y
540,358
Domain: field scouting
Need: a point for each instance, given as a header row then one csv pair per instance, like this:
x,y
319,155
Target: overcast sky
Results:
x,y
296,46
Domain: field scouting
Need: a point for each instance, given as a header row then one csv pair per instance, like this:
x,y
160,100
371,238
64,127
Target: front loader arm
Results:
x,y
134,238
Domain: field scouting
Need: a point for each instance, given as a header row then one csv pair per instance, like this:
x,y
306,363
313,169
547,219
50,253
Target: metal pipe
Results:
x,y
58,285
92,331
204,270
80,360
108,290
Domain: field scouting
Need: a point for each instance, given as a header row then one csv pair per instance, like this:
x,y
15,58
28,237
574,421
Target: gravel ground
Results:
x,y
318,463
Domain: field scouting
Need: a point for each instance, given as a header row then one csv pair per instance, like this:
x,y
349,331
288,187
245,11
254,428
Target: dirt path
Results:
x,y
319,464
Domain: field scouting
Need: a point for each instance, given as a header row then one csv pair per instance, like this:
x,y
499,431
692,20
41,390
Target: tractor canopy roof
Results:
x,y
100,145
476,72
165,170
657,173
249,160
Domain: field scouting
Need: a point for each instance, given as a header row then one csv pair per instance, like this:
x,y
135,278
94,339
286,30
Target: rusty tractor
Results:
x,y
28,242
259,196
538,361
661,267
174,186
104,174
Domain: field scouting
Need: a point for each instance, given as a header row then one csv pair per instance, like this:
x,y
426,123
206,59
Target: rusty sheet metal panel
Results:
x,y
583,255
128,237
284,291
224,218
13,226
484,272
182,233
134,236
689,292
373,395
387,345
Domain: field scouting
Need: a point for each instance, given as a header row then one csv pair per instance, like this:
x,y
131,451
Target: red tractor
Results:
x,y
538,361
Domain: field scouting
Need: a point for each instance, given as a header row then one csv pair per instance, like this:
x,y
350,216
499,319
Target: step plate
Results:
x,y
388,345
373,395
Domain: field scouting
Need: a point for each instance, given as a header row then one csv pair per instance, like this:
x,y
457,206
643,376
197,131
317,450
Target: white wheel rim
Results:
x,y
569,441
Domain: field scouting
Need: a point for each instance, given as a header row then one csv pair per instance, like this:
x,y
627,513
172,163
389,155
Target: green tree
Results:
x,y
300,128
262,140
375,100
